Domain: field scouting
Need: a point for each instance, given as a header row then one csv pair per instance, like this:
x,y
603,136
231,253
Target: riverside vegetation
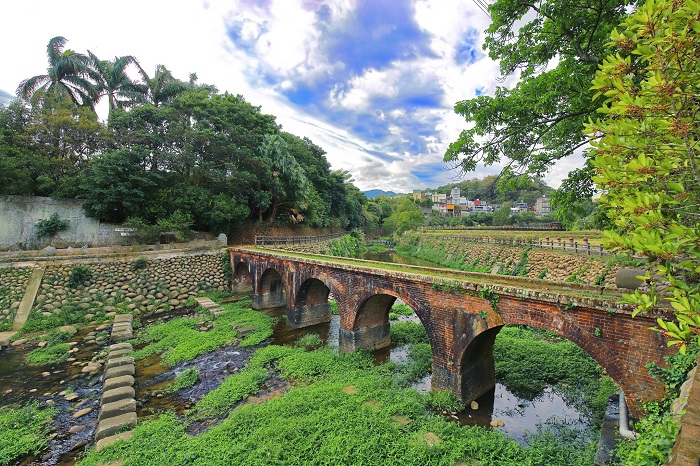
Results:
x,y
340,408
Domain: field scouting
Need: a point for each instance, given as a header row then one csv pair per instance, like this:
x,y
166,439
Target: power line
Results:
x,y
483,6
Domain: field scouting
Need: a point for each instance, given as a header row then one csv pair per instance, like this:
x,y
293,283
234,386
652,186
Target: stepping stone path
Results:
x,y
121,329
215,309
118,403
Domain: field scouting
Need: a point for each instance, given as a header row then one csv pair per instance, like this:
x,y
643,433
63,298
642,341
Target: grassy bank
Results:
x,y
342,409
24,431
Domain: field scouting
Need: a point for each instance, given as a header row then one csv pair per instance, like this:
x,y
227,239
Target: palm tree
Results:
x,y
114,83
68,77
163,87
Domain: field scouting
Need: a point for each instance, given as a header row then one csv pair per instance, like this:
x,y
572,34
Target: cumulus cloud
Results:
x,y
373,82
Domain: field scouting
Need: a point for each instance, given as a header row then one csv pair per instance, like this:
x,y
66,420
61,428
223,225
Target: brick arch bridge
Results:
x,y
461,312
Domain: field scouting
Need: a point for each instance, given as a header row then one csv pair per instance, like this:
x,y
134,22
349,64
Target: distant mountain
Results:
x,y
378,192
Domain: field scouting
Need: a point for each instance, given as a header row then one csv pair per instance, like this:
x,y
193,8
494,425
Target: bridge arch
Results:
x,y
311,305
242,279
476,365
269,291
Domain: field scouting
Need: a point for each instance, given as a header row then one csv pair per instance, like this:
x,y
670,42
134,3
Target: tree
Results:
x,y
538,121
114,83
163,87
502,215
407,217
69,77
117,185
645,148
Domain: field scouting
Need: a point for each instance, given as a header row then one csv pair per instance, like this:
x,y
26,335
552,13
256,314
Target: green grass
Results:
x,y
403,333
233,389
398,310
66,315
529,359
52,354
185,379
346,416
309,340
24,431
179,339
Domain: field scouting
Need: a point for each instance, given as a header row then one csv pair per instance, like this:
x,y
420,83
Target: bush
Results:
x,y
79,275
50,226
139,264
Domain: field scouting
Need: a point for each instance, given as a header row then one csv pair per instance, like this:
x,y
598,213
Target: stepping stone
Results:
x,y
123,318
111,426
119,353
93,366
242,332
119,371
118,382
76,429
112,439
117,394
121,346
117,408
120,361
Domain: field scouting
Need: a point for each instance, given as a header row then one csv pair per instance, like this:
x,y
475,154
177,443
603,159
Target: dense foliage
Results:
x,y
169,146
24,430
646,155
554,47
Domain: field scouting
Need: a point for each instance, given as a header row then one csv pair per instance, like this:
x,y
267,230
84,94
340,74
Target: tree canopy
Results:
x,y
171,148
645,153
554,48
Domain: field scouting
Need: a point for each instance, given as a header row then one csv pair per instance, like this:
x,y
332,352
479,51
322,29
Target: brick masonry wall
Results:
x,y
454,314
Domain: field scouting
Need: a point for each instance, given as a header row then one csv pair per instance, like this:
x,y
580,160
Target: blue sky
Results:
x,y
373,82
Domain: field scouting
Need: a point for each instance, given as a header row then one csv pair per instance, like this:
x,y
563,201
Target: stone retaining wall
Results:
x,y
546,264
686,450
13,282
139,285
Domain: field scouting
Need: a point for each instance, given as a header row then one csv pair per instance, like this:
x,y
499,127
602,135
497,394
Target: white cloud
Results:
x,y
192,37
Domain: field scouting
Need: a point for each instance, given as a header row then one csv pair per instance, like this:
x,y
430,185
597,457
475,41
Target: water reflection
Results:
x,y
395,258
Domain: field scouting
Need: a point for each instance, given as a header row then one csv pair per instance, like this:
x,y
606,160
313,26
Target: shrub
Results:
x,y
139,264
79,275
50,226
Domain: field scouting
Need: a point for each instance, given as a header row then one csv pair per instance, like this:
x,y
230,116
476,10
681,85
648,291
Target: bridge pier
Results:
x,y
268,300
369,338
241,286
308,315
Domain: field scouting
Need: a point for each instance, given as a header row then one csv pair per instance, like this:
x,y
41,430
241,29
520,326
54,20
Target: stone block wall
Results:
x,y
13,281
160,284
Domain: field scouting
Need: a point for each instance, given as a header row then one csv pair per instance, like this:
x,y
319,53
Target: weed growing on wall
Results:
x,y
79,275
50,226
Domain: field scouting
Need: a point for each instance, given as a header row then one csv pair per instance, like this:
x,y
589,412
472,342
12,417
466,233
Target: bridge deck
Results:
x,y
438,275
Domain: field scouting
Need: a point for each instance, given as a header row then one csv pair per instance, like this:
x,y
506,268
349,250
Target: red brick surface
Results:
x,y
454,314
